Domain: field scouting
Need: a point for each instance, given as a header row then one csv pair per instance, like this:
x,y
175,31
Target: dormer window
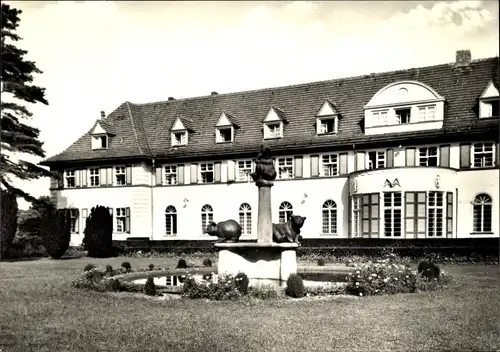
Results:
x,y
100,142
100,135
179,138
179,133
403,115
273,130
224,134
273,123
224,128
488,102
327,119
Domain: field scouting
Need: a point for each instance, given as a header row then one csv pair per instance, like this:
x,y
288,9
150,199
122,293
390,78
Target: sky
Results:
x,y
97,54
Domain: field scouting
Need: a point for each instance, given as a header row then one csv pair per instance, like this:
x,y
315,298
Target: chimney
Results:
x,y
103,114
214,93
463,58
171,98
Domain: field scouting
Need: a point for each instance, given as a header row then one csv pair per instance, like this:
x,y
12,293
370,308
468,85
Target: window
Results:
x,y
170,174
285,168
74,220
245,214
179,138
489,108
376,159
449,214
122,220
272,130
207,216
244,170
393,214
329,218
379,118
94,177
482,217
427,113
435,211
170,221
120,176
70,178
285,212
403,116
428,156
224,134
207,173
356,216
370,215
99,142
327,125
483,155
415,218
329,165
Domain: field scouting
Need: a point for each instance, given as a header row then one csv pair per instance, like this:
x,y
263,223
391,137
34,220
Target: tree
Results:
x,y
18,138
56,232
8,224
98,233
30,220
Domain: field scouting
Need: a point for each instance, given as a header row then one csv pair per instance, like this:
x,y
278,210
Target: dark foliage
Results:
x,y
56,231
207,262
295,286
89,267
149,287
241,281
181,264
151,267
321,262
428,270
8,225
109,270
98,233
127,266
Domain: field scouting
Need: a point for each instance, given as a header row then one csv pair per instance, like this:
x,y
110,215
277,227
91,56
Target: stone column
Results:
x,y
264,216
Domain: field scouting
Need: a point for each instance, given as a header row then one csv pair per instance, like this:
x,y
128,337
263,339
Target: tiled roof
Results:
x,y
144,129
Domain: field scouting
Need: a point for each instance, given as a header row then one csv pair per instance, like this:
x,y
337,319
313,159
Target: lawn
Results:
x,y
40,311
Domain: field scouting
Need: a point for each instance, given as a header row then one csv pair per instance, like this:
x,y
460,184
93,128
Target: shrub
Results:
x,y
89,267
263,292
224,289
127,267
428,270
295,286
207,262
115,285
149,287
151,267
181,264
56,231
98,233
329,290
8,221
241,282
321,262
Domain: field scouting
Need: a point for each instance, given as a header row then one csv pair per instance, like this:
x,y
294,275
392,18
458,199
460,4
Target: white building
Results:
x,y
406,154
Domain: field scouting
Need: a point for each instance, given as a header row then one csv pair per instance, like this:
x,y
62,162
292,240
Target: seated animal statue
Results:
x,y
227,231
289,231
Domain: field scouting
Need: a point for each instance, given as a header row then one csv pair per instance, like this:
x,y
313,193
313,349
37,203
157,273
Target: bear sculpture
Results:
x,y
289,231
227,231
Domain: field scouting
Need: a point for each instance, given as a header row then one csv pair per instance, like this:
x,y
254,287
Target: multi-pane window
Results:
x,y
207,216
285,212
428,156
403,116
285,168
435,211
170,174
356,216
483,155
121,216
170,221
370,210
273,130
328,125
449,214
245,216
70,178
329,218
329,165
376,159
224,134
427,113
379,118
74,220
393,206
207,173
94,177
179,138
415,204
244,170
120,175
482,213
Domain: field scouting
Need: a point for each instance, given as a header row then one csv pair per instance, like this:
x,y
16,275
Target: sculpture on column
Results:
x,y
265,172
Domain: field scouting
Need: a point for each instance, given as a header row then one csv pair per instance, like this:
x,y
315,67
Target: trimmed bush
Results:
x,y
224,289
56,232
127,266
149,287
428,270
321,262
241,282
263,292
109,270
89,267
8,224
207,262
295,286
151,267
181,264
98,233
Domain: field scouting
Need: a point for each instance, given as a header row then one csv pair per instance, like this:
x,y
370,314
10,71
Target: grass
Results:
x,y
40,311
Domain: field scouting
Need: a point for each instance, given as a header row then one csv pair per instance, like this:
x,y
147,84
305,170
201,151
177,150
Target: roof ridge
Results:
x,y
133,127
350,78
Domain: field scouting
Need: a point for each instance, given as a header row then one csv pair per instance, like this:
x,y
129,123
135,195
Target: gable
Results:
x,y
274,115
403,92
490,91
98,129
327,109
223,121
178,125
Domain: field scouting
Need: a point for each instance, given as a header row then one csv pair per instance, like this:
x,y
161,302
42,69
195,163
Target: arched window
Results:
x,y
285,212
246,218
170,221
207,216
329,221
482,213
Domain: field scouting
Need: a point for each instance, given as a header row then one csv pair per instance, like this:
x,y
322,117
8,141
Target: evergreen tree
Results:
x,y
18,138
56,232
8,220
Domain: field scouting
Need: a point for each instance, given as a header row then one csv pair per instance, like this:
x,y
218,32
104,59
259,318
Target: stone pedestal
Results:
x,y
264,218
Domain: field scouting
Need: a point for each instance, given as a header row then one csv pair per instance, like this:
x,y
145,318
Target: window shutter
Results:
x,y
314,165
390,158
77,178
102,175
85,214
217,171
360,161
464,156
127,220
110,211
231,168
83,178
410,156
298,166
159,175
194,173
497,163
60,181
180,174
343,164
77,220
128,174
444,156
109,176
